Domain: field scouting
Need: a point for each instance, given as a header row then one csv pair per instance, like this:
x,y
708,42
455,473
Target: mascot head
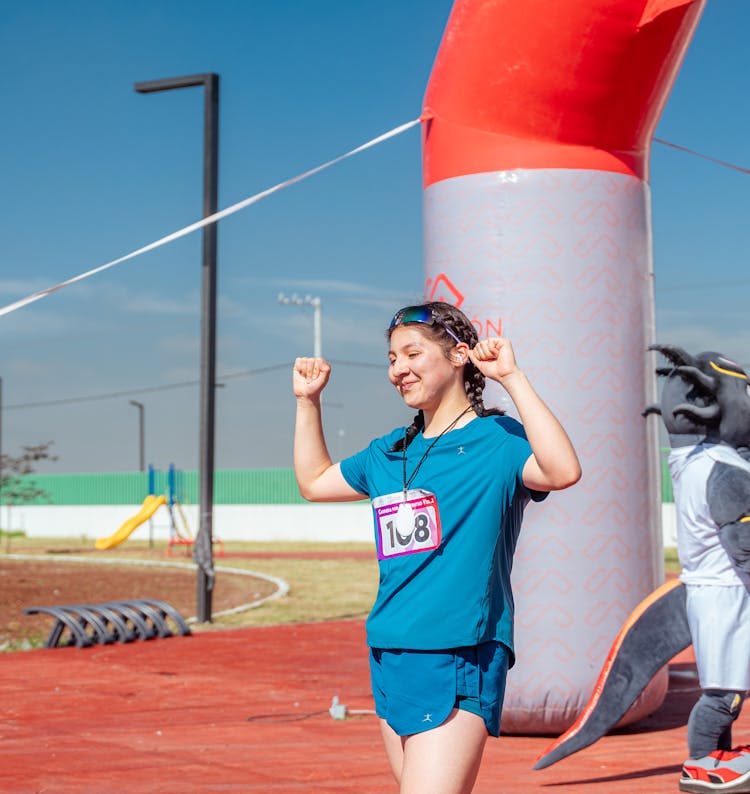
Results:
x,y
705,397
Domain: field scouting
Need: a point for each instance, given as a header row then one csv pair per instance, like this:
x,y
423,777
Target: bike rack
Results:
x,y
84,625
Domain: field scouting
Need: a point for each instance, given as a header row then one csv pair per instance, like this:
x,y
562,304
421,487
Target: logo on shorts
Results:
x,y
427,718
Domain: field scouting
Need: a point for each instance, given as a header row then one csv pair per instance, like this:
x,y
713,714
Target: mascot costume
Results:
x,y
705,407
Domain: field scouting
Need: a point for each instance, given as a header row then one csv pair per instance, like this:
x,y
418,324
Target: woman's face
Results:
x,y
419,368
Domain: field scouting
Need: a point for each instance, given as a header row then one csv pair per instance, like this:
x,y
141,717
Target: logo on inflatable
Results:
x,y
431,290
441,288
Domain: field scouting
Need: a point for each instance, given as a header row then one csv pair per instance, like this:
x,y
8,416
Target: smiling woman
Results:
x,y
448,494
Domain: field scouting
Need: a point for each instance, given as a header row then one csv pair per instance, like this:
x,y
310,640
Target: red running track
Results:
x,y
171,715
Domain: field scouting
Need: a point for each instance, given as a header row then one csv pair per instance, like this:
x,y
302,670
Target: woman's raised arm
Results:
x,y
318,478
553,464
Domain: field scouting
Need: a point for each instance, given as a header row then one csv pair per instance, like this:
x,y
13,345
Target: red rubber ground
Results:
x,y
171,715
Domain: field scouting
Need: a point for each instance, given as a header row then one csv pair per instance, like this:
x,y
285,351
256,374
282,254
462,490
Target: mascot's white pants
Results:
x,y
719,619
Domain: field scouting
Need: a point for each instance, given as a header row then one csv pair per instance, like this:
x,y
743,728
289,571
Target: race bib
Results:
x,y
406,527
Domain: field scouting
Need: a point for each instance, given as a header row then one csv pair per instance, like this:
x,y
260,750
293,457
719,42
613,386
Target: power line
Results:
x,y
245,373
142,390
274,367
709,285
723,163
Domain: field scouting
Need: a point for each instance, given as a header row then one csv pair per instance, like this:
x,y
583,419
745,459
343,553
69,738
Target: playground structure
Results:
x,y
180,533
150,505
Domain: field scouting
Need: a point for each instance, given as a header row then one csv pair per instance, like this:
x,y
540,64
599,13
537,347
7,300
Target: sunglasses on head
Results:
x,y
420,314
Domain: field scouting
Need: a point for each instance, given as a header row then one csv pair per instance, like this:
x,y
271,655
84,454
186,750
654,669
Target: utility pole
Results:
x,y
141,435
203,548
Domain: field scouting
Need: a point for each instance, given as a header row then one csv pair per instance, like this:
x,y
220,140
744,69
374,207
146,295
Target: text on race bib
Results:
x,y
406,527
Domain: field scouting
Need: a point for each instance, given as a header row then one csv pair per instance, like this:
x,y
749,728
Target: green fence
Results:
x,y
666,477
231,487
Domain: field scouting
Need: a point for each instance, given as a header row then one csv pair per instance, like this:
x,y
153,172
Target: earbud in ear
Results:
x,y
458,358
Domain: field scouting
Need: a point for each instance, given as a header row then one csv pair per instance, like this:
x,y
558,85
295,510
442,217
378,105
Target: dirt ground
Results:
x,y
25,583
246,710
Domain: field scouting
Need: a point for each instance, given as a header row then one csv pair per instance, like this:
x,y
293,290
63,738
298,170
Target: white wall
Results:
x,y
326,522
314,522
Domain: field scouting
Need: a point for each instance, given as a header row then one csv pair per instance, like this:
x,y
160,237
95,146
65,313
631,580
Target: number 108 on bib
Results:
x,y
406,527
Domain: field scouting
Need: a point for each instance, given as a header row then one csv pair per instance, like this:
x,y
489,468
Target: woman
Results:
x,y
448,494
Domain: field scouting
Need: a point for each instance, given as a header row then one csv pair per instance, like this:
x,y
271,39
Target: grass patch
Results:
x,y
340,583
7,537
332,589
24,644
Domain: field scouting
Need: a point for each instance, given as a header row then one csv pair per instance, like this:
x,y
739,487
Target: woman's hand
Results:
x,y
494,358
310,376
553,464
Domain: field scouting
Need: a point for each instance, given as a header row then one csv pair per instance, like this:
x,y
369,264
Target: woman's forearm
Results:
x,y
311,458
553,451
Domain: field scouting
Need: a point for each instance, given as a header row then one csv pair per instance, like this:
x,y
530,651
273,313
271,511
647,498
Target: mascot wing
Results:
x,y
728,493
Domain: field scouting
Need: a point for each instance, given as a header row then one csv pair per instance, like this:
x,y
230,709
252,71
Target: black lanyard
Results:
x,y
408,482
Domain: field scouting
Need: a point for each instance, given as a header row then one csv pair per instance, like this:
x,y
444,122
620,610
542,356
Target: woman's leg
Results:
x,y
443,760
394,749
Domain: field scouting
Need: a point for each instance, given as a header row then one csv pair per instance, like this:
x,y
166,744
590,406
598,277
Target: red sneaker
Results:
x,y
722,770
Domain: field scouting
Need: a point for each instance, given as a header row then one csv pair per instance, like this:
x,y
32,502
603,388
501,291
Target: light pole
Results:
x,y
141,435
203,548
316,303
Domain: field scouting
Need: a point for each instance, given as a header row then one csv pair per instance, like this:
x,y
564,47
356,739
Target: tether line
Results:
x,y
240,205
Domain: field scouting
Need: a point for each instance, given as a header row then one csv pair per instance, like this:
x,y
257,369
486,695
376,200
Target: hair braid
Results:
x,y
474,381
474,386
411,433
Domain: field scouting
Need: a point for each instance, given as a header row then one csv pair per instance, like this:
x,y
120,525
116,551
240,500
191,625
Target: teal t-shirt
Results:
x,y
458,593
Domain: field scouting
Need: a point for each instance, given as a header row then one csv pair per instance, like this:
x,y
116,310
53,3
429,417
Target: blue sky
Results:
x,y
92,170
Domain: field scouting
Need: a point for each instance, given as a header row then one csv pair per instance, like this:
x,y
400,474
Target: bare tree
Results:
x,y
15,486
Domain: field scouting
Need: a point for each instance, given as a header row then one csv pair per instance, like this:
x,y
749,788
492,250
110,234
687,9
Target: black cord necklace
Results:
x,y
408,482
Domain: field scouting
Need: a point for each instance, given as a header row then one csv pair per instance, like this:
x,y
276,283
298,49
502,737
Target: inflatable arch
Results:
x,y
537,127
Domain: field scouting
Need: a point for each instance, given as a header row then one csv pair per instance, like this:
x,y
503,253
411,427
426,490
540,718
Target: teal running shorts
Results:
x,y
415,691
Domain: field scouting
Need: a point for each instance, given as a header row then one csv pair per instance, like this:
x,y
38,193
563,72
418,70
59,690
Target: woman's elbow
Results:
x,y
311,496
323,487
566,477
308,492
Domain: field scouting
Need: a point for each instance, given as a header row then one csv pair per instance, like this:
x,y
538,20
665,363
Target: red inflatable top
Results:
x,y
552,84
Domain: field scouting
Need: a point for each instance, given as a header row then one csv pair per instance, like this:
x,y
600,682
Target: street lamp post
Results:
x,y
316,303
141,435
203,548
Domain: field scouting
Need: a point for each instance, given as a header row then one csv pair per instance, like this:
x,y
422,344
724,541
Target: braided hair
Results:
x,y
457,322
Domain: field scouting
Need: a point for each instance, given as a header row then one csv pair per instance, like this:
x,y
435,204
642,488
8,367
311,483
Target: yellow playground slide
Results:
x,y
150,505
